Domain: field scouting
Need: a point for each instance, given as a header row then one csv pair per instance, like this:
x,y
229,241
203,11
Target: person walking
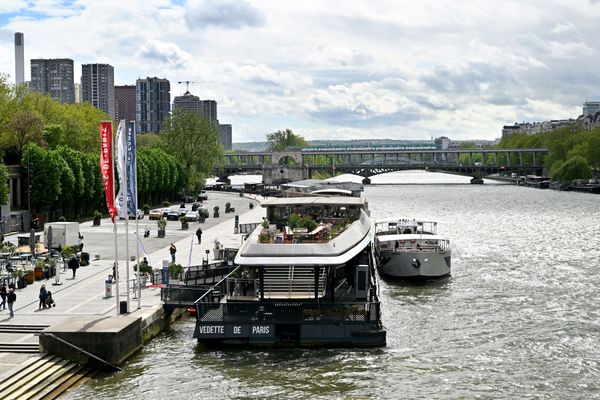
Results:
x,y
11,298
74,265
199,235
3,295
172,250
43,296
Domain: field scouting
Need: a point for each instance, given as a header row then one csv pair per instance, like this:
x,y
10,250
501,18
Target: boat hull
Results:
x,y
407,265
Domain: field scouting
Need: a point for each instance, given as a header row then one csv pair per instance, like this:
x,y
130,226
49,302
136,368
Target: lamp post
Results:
x,y
29,185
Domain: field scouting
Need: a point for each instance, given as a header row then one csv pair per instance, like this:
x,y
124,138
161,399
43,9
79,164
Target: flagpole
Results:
x,y
137,222
125,207
115,232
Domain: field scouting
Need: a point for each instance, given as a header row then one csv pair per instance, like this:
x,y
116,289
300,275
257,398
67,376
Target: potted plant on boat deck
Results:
x,y
175,271
97,217
218,250
162,224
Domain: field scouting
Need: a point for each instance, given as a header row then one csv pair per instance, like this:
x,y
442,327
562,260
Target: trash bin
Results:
x,y
165,275
108,288
85,258
123,307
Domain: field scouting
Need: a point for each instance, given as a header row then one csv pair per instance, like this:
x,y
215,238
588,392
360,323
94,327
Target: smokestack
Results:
x,y
19,58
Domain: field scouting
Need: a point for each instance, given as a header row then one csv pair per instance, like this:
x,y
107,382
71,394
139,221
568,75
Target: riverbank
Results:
x,y
84,299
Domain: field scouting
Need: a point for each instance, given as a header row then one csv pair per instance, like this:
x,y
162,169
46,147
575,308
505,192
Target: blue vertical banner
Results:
x,y
131,170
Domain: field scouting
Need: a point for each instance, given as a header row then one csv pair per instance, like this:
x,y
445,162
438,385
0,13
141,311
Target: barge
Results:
x,y
304,277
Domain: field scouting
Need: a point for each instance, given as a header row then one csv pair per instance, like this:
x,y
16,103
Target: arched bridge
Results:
x,y
368,162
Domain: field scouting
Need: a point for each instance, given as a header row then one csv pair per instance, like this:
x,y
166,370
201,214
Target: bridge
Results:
x,y
285,166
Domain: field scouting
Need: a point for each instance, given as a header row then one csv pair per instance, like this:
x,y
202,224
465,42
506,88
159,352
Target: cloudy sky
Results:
x,y
338,68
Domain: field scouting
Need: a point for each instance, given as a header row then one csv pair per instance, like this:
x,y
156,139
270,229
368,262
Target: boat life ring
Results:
x,y
401,241
413,240
416,263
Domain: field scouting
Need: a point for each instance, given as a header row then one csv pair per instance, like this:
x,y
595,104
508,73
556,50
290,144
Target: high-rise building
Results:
x,y
98,86
19,58
208,109
225,133
152,103
55,77
125,102
187,102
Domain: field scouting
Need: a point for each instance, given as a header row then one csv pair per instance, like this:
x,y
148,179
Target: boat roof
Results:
x,y
332,191
411,236
314,200
405,221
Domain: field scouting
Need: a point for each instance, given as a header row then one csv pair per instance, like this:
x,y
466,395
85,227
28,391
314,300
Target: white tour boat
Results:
x,y
411,249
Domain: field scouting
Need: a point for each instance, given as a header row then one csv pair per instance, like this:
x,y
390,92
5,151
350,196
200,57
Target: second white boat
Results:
x,y
411,249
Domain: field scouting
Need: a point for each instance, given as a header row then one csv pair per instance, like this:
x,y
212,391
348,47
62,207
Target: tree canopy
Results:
x,y
195,142
283,139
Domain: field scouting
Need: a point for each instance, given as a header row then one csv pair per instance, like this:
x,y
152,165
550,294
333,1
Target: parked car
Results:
x,y
173,216
183,211
166,211
203,196
140,214
155,214
192,216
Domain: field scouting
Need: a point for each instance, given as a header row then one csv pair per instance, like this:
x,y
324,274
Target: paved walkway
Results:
x,y
85,294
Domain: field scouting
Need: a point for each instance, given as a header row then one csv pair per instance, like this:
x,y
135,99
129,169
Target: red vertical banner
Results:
x,y
106,166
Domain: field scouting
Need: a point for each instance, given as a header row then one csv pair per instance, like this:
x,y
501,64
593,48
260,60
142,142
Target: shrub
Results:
x,y
175,271
62,218
309,223
264,238
166,203
97,214
146,207
294,221
161,223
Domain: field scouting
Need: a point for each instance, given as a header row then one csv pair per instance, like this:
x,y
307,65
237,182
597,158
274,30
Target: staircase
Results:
x,y
292,282
43,377
4,328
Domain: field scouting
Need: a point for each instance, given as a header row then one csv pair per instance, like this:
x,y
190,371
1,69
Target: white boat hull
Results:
x,y
408,264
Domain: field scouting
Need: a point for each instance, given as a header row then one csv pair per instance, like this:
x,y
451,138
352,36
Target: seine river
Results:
x,y
518,319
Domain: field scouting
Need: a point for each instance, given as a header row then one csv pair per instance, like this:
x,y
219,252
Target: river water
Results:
x,y
518,319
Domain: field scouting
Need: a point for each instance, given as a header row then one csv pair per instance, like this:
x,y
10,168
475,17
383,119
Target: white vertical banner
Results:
x,y
120,159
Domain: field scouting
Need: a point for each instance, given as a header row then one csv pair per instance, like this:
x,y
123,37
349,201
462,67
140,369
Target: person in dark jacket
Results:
x,y
199,235
11,298
43,296
3,295
73,265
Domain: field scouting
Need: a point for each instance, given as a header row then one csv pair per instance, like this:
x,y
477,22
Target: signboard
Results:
x,y
229,331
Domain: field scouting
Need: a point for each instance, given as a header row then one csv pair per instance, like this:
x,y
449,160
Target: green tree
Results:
x,y
25,127
44,173
194,142
281,140
574,168
3,184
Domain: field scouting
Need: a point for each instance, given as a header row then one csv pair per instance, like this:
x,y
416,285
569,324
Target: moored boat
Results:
x,y
305,277
411,249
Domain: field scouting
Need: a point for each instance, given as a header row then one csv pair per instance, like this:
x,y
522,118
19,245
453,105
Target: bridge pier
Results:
x,y
366,181
476,181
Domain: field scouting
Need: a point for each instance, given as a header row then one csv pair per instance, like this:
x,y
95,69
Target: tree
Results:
x,y
194,142
574,168
3,184
25,127
281,140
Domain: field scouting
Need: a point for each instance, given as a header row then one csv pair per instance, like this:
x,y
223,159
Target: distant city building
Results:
x,y
153,103
225,132
19,58
532,128
187,102
442,143
125,102
590,108
208,109
77,89
98,86
55,77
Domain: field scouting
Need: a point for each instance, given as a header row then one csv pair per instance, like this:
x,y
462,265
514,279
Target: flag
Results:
x,y
131,170
106,166
120,160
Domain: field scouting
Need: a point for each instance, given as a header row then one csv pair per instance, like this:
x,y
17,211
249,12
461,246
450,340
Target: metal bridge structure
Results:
x,y
277,167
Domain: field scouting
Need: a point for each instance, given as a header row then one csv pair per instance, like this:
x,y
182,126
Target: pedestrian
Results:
x,y
172,250
43,296
3,296
11,298
199,235
74,265
1,237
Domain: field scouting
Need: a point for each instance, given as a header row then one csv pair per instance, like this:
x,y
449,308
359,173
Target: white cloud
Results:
x,y
563,27
163,52
224,13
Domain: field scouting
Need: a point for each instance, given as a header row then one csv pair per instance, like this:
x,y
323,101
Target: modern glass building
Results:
x,y
152,103
98,86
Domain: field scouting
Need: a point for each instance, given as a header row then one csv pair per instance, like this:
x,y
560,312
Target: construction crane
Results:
x,y
187,84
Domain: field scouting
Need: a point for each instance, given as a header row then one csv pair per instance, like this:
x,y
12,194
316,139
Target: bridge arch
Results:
x,y
277,156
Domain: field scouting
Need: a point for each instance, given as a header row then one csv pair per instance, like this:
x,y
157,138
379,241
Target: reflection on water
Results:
x,y
519,318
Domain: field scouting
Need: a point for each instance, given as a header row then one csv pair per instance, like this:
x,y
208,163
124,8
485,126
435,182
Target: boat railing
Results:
x,y
207,274
183,295
291,312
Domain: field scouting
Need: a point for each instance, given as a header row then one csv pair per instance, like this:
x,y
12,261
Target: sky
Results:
x,y
335,69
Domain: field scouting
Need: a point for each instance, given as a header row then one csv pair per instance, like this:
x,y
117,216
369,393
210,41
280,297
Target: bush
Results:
x,y
294,221
175,271
97,214
309,223
166,203
62,218
161,223
264,238
146,207
144,268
